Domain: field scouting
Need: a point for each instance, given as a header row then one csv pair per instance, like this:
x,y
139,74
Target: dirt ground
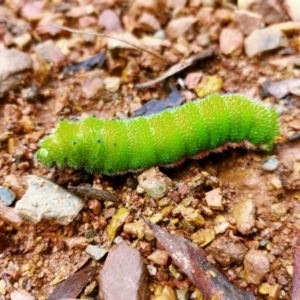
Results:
x,y
36,257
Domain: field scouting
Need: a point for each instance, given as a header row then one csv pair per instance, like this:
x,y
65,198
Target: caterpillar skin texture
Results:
x,y
116,146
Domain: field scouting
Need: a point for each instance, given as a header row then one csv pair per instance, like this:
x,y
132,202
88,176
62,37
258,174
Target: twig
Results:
x,y
179,67
111,37
87,192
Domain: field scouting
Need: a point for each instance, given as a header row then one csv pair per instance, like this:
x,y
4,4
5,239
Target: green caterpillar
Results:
x,y
116,146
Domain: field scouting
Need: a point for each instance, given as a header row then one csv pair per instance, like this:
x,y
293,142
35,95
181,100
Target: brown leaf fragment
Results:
x,y
192,260
124,275
71,287
296,271
156,106
87,64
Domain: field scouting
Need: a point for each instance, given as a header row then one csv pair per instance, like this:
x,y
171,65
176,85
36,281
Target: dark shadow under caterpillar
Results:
x,y
116,146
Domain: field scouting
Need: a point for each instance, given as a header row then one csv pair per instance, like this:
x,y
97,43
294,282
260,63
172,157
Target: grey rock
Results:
x,y
46,201
271,164
280,89
14,65
124,275
7,196
95,252
264,40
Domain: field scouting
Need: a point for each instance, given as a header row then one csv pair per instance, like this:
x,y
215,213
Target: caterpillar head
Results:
x,y
55,149
72,144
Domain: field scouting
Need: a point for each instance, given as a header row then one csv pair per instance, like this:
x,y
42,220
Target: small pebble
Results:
x,y
109,20
112,84
174,272
180,27
214,199
231,41
159,257
155,183
271,164
221,224
90,234
209,85
159,34
95,252
248,21
182,294
50,52
135,229
116,222
167,294
244,214
256,265
276,182
152,270
192,216
22,40
7,196
226,251
148,22
203,237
